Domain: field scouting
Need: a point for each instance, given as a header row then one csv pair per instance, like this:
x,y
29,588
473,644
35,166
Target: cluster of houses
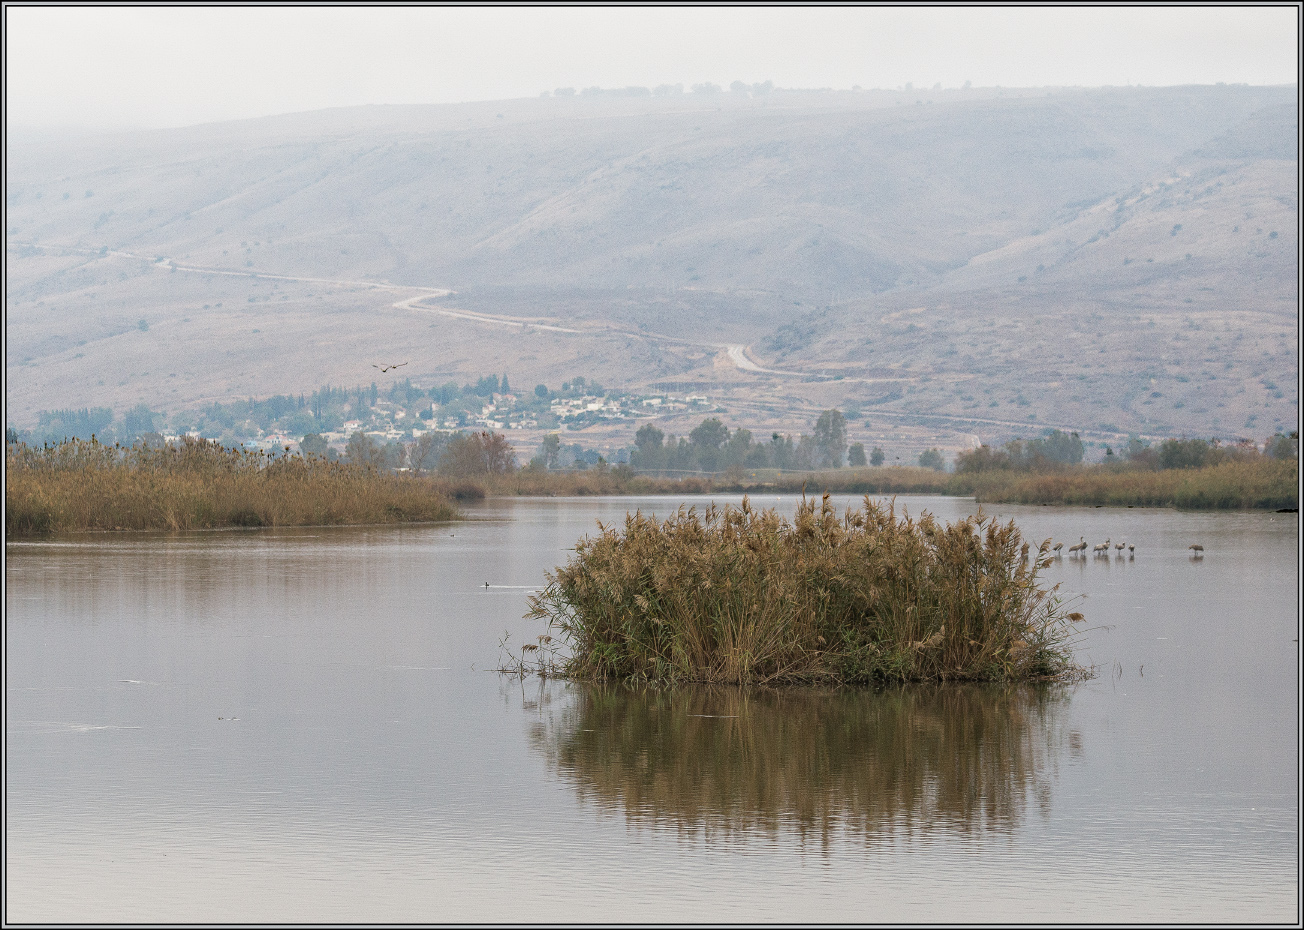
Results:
x,y
389,422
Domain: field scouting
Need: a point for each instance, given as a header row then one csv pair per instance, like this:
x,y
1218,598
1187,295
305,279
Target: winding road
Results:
x,y
735,353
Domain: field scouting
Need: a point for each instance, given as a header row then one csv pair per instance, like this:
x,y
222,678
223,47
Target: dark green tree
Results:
x,y
876,456
856,455
806,454
758,456
313,444
137,421
446,393
708,439
1183,453
1063,448
830,439
649,454
932,458
550,450
1283,446
782,453
737,448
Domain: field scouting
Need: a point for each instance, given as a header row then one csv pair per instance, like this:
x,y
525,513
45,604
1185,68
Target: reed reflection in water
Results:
x,y
882,763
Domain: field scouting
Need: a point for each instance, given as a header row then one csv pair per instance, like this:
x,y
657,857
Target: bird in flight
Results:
x,y
385,368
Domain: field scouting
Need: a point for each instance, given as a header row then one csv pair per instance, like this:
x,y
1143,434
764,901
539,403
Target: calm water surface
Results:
x,y
300,725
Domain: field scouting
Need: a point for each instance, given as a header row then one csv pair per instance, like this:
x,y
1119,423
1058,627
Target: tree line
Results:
x,y
455,455
713,447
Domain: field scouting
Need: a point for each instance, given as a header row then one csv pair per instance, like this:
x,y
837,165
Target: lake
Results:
x,y
304,725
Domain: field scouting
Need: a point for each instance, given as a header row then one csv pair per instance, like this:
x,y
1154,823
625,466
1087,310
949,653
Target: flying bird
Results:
x,y
385,368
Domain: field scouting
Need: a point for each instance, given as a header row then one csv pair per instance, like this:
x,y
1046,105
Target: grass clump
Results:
x,y
87,485
742,596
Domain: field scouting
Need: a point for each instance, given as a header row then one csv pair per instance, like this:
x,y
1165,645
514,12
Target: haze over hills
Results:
x,y
1113,260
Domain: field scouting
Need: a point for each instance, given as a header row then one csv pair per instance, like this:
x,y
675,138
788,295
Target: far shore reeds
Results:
x,y
1265,484
86,485
741,596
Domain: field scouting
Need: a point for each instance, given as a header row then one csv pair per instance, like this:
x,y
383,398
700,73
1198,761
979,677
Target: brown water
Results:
x,y
299,725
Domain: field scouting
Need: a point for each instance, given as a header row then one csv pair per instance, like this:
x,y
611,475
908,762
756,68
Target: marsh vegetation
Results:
x,y
88,485
741,596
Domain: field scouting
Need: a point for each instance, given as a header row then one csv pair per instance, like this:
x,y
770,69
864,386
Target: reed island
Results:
x,y
744,596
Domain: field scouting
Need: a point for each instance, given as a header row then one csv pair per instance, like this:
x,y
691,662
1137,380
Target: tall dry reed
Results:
x,y
1234,485
1263,484
743,596
86,485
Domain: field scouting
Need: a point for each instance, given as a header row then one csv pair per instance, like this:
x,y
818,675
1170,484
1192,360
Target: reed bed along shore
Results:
x,y
1266,484
1269,484
595,482
86,485
740,596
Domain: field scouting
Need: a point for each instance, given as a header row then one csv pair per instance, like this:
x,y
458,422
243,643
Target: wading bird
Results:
x,y
1080,547
1120,547
1056,548
1102,547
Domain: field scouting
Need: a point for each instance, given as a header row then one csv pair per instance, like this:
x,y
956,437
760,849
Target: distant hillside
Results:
x,y
794,222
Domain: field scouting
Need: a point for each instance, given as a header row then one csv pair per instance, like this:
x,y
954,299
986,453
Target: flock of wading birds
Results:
x,y
1101,550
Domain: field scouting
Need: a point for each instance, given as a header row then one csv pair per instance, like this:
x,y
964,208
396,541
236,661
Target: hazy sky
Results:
x,y
132,66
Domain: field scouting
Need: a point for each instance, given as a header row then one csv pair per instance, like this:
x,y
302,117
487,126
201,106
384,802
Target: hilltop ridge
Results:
x,y
1012,229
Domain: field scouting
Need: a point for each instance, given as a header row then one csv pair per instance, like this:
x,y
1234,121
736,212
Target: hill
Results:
x,y
994,257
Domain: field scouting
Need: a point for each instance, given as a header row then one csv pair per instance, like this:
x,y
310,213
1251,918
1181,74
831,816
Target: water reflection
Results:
x,y
960,758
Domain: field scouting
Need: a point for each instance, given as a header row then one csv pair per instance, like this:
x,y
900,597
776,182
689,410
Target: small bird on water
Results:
x,y
1199,549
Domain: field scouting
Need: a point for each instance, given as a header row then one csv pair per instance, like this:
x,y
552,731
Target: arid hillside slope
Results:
x,y
1068,254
